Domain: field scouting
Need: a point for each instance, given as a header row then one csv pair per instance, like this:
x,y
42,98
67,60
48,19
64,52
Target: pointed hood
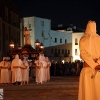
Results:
x,y
90,40
4,58
90,28
16,56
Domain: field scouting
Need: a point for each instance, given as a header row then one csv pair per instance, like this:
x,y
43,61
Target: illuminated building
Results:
x,y
58,44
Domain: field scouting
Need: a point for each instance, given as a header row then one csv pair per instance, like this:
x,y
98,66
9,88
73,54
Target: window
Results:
x,y
17,20
42,23
68,51
65,41
60,40
62,51
29,26
55,50
55,39
42,34
76,41
11,16
14,17
7,36
75,51
6,13
51,50
58,50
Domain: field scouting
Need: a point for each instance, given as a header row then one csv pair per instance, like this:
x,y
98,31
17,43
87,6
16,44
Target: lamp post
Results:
x,y
11,45
41,47
37,45
19,48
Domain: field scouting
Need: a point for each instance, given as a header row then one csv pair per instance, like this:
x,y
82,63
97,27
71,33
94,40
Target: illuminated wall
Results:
x,y
75,45
40,28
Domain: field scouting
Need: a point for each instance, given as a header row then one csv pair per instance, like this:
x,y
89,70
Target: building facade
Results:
x,y
59,44
9,26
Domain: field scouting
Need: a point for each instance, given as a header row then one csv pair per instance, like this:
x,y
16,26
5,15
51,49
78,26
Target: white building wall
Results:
x,y
59,35
44,33
40,28
76,36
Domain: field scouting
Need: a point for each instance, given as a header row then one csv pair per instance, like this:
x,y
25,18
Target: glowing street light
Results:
x,y
37,45
41,47
11,45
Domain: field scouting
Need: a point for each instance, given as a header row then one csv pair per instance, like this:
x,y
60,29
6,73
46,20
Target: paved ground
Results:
x,y
58,88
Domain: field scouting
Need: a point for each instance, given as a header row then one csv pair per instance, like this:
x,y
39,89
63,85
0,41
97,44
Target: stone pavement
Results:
x,y
58,88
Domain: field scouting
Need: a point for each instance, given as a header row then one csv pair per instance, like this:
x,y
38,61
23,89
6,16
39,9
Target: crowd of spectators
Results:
x,y
66,69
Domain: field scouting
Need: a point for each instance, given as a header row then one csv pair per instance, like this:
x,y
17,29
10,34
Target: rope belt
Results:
x,y
86,65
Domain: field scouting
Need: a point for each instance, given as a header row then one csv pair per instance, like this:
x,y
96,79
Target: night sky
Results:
x,y
76,12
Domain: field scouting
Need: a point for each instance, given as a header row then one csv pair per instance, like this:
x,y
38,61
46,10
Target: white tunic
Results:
x,y
4,72
9,70
16,69
39,72
48,68
25,71
89,88
44,63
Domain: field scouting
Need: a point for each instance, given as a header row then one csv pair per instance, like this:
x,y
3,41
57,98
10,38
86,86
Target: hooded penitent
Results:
x,y
89,88
2,62
16,61
89,45
16,72
42,60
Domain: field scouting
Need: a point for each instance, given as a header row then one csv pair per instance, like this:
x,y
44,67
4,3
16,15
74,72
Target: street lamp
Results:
x,y
37,45
11,45
41,47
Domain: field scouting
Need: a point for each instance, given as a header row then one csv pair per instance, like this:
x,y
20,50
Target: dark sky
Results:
x,y
77,12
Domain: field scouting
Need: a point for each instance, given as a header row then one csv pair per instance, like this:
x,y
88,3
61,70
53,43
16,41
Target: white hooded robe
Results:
x,y
89,88
16,69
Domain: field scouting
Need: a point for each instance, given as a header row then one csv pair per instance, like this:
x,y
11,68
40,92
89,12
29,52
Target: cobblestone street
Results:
x,y
58,88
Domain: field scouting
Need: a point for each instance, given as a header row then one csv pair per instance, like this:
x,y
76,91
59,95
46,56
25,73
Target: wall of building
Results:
x,y
59,52
10,30
75,45
59,35
40,28
0,38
